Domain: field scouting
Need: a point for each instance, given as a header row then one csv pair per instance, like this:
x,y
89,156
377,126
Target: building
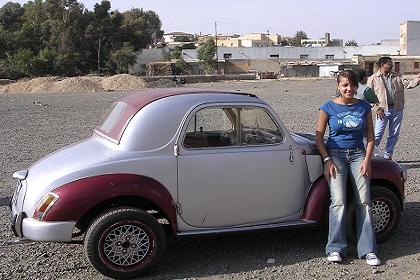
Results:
x,y
249,40
174,39
410,38
258,40
304,53
232,41
322,42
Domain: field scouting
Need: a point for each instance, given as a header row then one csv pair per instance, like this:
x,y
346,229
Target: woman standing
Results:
x,y
345,156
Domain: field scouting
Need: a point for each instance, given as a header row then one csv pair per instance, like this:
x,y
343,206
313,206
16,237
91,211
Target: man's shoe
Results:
x,y
334,257
372,259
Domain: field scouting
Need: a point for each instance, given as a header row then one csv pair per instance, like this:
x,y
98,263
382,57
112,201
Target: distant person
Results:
x,y
389,88
346,159
363,91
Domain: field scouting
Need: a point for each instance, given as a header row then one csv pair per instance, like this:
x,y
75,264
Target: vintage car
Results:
x,y
178,162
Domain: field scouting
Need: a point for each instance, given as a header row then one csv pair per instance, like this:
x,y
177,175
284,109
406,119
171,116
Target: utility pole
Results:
x,y
217,57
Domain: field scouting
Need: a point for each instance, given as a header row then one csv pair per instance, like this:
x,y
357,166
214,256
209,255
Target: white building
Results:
x,y
410,38
176,36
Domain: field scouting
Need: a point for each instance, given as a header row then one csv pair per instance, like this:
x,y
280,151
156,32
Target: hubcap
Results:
x,y
381,215
126,245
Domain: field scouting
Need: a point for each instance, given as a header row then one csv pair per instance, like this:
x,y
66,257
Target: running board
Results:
x,y
247,228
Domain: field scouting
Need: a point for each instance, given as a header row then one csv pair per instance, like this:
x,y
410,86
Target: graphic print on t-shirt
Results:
x,y
350,120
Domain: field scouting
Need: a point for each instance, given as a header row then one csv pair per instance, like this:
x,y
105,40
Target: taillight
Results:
x,y
44,205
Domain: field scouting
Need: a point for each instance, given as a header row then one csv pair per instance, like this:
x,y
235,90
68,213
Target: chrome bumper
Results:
x,y
35,230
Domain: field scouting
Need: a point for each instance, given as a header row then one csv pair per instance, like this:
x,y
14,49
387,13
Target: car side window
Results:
x,y
212,127
258,128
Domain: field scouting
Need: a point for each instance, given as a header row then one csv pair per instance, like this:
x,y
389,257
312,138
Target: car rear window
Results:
x,y
113,116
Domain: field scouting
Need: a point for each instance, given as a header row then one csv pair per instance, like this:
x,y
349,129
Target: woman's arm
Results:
x,y
329,167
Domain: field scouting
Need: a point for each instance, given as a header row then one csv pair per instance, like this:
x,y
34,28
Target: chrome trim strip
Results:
x,y
246,228
106,137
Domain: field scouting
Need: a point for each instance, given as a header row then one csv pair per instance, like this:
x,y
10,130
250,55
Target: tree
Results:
x,y
19,64
284,42
123,58
99,28
182,65
11,16
206,55
183,38
296,40
175,53
351,43
61,37
141,28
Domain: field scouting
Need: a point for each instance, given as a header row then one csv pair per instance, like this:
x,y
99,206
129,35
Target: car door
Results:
x,y
237,167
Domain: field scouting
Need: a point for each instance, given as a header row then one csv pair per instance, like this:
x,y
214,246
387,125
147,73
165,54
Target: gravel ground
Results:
x,y
33,125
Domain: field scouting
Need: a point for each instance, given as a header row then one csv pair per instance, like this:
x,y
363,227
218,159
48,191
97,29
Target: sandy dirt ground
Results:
x,y
35,124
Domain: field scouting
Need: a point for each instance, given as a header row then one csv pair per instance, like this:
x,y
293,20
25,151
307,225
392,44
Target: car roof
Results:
x,y
142,98
136,101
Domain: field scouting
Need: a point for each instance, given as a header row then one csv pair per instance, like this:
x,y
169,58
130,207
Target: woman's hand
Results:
x,y
330,169
365,168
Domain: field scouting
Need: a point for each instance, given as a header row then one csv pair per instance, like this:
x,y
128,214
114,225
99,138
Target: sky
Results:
x,y
366,21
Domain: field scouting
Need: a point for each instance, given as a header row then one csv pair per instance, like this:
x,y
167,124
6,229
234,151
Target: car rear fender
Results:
x,y
79,197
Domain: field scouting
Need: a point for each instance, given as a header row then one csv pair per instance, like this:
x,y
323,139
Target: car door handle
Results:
x,y
291,153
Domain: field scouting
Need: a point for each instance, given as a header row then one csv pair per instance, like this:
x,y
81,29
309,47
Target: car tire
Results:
x,y
124,243
386,211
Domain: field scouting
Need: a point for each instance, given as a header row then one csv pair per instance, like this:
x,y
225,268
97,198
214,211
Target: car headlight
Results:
x,y
44,205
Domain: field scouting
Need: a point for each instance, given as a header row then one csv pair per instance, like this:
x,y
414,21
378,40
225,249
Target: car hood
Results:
x,y
306,141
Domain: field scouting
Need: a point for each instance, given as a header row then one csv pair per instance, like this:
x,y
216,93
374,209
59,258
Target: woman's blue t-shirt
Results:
x,y
347,124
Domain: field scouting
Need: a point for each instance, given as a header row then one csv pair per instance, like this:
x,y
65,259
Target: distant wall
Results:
x,y
190,79
300,71
255,65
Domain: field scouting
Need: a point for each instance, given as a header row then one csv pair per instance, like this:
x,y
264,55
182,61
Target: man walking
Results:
x,y
389,87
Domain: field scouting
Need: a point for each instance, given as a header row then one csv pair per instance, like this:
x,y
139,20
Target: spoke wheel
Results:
x,y
124,243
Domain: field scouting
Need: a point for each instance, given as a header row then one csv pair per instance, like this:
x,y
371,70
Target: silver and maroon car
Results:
x,y
183,162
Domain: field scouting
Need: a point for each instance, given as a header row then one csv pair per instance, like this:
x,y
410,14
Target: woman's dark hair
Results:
x,y
350,75
384,60
361,74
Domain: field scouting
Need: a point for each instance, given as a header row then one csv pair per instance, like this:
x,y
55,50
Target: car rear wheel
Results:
x,y
386,211
124,243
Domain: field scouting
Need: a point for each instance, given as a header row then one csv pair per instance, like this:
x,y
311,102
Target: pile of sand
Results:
x,y
34,85
76,84
123,82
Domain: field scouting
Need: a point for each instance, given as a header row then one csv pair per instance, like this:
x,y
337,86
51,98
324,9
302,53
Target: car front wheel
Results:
x,y
123,243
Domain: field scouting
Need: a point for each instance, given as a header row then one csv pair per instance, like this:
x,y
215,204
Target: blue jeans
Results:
x,y
394,118
348,162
